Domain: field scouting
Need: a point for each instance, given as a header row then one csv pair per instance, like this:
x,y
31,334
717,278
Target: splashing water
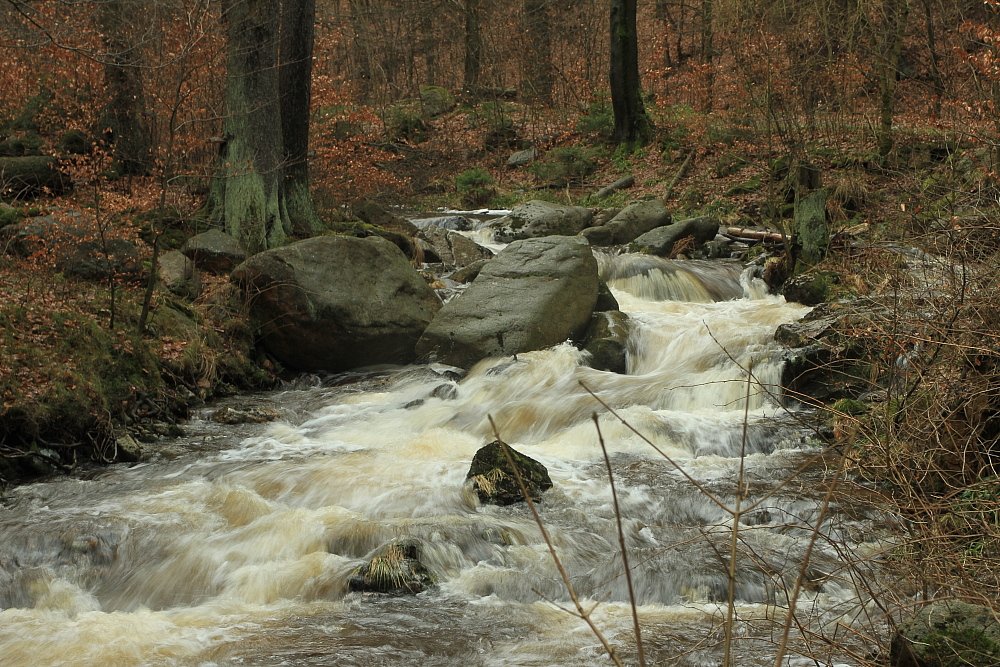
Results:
x,y
239,554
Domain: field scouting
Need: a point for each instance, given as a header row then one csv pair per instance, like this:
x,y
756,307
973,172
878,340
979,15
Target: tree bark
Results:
x,y
473,47
894,15
631,123
539,57
295,87
131,131
249,194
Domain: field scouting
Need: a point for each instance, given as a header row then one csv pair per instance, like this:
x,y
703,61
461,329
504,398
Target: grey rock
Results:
x,y
495,481
458,223
468,273
660,241
534,294
450,247
607,341
214,251
536,219
521,158
246,415
178,274
337,302
633,221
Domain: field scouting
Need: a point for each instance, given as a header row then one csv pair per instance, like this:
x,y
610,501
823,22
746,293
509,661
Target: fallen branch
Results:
x,y
678,176
744,234
620,184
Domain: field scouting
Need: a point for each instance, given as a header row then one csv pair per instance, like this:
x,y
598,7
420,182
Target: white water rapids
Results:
x,y
235,546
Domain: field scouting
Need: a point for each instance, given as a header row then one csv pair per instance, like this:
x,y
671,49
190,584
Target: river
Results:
x,y
234,545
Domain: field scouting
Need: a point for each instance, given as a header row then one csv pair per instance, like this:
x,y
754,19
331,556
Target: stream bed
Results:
x,y
235,544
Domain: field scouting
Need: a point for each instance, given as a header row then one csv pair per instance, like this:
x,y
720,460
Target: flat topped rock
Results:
x,y
214,251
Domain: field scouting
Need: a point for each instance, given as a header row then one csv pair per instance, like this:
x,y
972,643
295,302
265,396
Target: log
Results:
x,y
26,177
620,184
742,233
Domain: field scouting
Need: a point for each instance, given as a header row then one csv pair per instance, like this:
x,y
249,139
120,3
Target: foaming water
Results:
x,y
243,556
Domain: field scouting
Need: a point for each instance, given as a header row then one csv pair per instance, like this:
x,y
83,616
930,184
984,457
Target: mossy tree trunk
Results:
x,y
263,174
131,131
631,123
295,76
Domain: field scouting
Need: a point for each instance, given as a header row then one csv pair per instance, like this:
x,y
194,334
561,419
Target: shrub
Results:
x,y
476,187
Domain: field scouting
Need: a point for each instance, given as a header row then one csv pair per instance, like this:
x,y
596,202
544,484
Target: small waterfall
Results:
x,y
239,552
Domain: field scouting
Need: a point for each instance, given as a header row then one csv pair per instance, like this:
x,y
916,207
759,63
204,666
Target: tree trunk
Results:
x,y
473,47
294,85
894,17
707,54
249,194
539,56
631,123
131,132
362,51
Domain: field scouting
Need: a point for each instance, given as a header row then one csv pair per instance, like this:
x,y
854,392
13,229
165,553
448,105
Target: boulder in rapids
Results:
x,y
452,248
633,221
495,482
660,241
394,569
534,294
607,341
337,302
536,218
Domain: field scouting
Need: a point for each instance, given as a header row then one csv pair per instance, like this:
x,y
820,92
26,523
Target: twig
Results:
x,y
581,612
621,542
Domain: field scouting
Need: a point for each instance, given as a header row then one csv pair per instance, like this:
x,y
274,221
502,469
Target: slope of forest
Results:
x,y
894,106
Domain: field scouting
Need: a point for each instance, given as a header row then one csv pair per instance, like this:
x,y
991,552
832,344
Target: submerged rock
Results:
x,y
250,415
495,481
337,302
536,293
395,569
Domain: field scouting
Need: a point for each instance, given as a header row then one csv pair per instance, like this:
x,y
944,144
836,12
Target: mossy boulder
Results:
x,y
495,481
661,240
948,633
812,231
436,100
337,302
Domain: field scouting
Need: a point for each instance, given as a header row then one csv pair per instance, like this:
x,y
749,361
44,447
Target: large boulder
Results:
x,y
178,274
214,251
30,176
541,218
453,248
534,294
633,221
661,241
495,481
946,633
337,302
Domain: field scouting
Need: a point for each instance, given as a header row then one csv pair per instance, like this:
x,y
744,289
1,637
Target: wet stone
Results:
x,y
495,482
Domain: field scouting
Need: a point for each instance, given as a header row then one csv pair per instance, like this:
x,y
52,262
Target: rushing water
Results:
x,y
235,546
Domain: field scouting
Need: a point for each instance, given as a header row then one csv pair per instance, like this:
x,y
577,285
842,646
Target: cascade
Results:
x,y
237,547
